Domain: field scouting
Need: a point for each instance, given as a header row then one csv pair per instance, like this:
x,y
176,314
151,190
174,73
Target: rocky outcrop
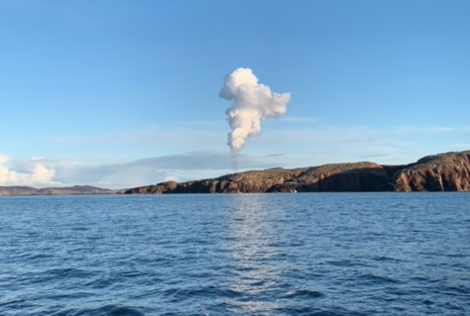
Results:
x,y
444,172
356,177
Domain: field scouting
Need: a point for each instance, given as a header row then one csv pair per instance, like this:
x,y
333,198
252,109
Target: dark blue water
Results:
x,y
271,254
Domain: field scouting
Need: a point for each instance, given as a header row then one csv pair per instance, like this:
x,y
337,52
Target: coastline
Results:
x,y
447,172
434,173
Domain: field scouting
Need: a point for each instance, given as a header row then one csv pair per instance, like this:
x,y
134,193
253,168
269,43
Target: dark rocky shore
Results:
x,y
442,172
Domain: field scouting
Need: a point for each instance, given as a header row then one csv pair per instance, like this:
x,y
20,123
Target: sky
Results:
x,y
119,94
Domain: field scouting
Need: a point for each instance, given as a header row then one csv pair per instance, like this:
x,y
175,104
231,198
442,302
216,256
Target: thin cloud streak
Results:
x,y
324,133
299,120
150,137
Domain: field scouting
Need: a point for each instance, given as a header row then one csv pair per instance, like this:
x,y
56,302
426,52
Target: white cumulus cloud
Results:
x,y
37,174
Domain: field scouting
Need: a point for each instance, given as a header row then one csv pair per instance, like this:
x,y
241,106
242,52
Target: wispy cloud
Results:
x,y
299,120
274,155
461,146
429,129
373,156
185,139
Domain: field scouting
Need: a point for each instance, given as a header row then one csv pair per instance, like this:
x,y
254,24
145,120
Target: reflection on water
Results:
x,y
254,253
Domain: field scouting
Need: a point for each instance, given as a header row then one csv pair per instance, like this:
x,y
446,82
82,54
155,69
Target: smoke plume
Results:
x,y
252,103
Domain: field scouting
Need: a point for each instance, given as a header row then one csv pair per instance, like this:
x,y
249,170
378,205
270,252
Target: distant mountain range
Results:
x,y
76,189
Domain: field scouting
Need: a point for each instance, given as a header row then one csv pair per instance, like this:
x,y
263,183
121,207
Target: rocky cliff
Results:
x,y
444,172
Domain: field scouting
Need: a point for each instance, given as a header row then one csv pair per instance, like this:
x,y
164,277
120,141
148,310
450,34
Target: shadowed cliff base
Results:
x,y
442,172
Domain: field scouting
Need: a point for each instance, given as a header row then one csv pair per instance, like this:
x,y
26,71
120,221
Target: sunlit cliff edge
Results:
x,y
442,172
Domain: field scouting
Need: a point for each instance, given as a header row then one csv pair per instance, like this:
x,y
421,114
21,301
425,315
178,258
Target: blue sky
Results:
x,y
125,93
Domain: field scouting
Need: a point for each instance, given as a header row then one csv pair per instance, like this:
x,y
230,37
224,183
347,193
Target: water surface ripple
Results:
x,y
241,254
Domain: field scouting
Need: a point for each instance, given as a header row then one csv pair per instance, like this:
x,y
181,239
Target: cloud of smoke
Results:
x,y
252,103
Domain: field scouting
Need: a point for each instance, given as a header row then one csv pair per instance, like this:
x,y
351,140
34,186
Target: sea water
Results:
x,y
236,254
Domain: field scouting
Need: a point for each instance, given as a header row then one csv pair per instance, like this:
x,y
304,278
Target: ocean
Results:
x,y
236,254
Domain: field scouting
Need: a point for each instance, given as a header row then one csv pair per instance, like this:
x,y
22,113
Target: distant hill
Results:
x,y
442,172
76,189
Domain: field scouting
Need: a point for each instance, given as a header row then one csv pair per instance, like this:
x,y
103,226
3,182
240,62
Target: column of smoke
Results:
x,y
252,103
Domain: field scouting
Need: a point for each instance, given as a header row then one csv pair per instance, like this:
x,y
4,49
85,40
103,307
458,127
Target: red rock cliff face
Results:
x,y
348,177
444,172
